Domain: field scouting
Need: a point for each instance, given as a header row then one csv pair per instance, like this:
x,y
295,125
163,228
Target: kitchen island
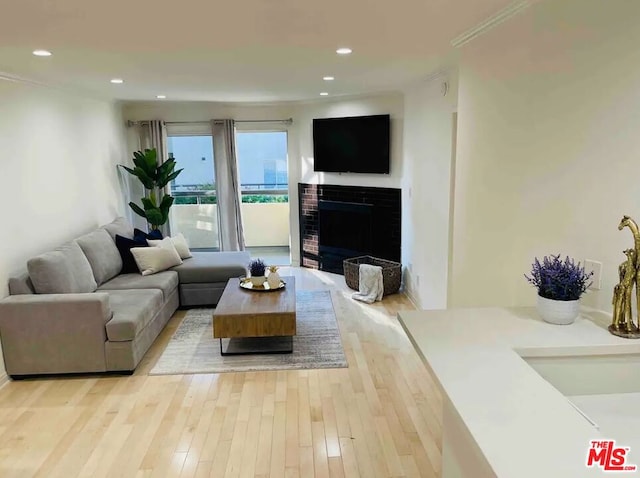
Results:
x,y
501,418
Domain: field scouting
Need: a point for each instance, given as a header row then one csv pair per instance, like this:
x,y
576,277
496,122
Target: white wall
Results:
x,y
548,147
58,170
426,185
300,145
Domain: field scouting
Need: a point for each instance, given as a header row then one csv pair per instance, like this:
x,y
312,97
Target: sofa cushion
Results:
x,y
166,281
132,312
119,226
21,284
65,270
102,254
124,245
210,267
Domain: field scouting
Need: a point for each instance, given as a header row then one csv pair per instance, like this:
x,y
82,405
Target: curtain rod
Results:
x,y
286,121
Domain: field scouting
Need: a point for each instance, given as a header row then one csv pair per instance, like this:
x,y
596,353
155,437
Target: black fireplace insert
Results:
x,y
344,230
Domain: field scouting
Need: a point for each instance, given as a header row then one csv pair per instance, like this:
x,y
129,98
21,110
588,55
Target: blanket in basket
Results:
x,y
370,287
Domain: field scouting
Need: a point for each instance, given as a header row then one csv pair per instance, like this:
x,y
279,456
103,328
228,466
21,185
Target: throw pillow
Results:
x,y
179,242
124,246
156,259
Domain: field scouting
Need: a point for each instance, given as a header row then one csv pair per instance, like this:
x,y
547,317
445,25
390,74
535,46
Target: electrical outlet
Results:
x,y
596,267
417,279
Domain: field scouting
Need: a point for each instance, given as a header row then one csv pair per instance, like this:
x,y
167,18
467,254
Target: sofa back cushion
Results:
x,y
119,226
63,271
21,284
102,254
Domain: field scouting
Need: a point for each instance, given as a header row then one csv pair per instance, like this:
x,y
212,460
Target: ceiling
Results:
x,y
235,51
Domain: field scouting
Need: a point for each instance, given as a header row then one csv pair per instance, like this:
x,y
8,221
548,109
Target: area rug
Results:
x,y
192,349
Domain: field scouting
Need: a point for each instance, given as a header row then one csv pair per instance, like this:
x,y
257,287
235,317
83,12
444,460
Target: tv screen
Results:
x,y
358,144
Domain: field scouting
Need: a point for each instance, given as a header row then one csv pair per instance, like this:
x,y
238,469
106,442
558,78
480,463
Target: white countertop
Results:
x,y
521,423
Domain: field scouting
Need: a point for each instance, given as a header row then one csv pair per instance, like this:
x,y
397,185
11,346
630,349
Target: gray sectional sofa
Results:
x,y
73,312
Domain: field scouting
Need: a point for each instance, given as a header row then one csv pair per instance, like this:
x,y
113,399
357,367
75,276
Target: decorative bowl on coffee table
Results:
x,y
245,283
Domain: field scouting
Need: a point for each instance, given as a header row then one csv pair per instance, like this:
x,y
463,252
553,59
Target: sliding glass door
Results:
x,y
263,172
194,212
262,166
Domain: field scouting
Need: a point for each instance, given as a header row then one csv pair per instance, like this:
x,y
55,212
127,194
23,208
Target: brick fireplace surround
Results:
x,y
360,220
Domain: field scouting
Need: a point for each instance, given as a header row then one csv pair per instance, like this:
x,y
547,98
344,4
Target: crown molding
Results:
x,y
19,79
445,74
491,22
77,92
273,104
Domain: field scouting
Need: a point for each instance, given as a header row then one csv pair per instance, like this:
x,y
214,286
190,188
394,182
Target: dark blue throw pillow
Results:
x,y
124,245
154,235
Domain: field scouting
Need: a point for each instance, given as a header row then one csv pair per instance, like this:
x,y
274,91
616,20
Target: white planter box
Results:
x,y
559,312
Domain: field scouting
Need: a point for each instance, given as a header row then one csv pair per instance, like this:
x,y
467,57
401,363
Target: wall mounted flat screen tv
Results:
x,y
358,144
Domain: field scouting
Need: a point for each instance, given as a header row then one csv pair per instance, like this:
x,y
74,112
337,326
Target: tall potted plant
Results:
x,y
154,177
560,284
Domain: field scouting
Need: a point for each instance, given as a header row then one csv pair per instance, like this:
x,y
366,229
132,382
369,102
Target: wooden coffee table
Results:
x,y
245,313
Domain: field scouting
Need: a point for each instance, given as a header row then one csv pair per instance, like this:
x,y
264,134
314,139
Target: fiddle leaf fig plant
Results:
x,y
154,177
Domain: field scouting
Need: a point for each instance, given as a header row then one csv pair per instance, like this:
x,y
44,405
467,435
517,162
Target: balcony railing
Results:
x,y
251,193
265,214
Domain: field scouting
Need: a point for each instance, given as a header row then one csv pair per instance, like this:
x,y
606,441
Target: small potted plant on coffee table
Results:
x,y
560,284
257,269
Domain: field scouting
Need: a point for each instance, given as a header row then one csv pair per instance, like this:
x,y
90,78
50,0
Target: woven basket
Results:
x,y
391,272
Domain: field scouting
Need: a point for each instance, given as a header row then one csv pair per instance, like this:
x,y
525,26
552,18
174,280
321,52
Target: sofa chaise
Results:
x,y
74,312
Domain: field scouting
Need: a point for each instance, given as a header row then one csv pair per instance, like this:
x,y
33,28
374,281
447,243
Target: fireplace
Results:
x,y
344,230
339,222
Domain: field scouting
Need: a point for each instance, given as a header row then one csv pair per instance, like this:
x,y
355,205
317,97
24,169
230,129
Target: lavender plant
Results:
x,y
559,280
257,267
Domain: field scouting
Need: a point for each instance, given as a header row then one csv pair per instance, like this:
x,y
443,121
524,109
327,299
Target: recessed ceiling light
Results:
x,y
117,81
41,52
328,78
161,97
343,51
324,93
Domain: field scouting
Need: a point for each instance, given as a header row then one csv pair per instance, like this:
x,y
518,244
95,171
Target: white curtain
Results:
x,y
227,185
153,134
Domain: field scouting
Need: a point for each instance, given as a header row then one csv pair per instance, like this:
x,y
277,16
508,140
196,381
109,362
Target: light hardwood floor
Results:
x,y
381,417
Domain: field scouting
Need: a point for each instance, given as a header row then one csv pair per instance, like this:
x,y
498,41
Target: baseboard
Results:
x,y
412,298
